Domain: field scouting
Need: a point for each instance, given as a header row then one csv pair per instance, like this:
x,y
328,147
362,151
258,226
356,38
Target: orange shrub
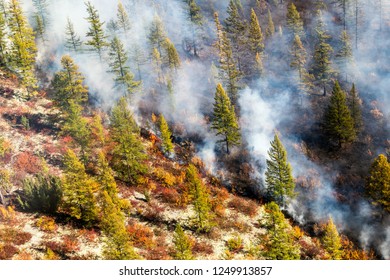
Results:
x,y
70,244
7,251
141,235
246,207
10,235
202,248
170,196
28,163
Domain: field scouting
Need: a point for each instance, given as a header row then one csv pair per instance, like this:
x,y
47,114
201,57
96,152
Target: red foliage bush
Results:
x,y
141,235
7,251
28,163
153,212
246,207
170,196
13,236
202,248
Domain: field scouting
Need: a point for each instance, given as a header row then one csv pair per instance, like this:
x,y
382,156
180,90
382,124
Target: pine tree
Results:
x,y
298,56
279,243
338,121
78,191
200,199
117,245
294,21
224,119
39,28
157,34
166,135
270,31
172,56
183,246
196,19
332,241
138,57
41,6
123,19
128,154
72,41
68,85
229,73
255,35
344,55
322,68
118,65
378,183
157,65
97,41
23,49
355,104
278,176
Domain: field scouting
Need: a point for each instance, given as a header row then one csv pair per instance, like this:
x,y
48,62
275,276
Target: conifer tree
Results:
x,y
200,199
98,135
41,6
294,21
78,191
355,104
68,85
229,73
123,20
4,9
322,68
72,41
157,34
118,65
97,38
332,241
344,55
157,65
23,49
138,57
183,246
280,243
270,31
378,183
117,245
105,179
298,56
338,121
172,56
224,119
255,35
39,28
3,40
128,154
278,176
196,19
166,135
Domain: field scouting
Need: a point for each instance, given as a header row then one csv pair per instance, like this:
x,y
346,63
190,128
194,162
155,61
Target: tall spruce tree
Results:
x,y
157,34
183,246
172,57
166,135
128,153
332,241
224,119
118,57
278,176
78,191
338,121
196,19
378,182
344,55
97,39
72,41
294,21
270,30
355,106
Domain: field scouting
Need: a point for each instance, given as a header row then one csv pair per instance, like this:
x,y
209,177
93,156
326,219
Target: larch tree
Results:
x,y
72,40
200,198
157,34
322,65
41,7
344,7
23,50
255,44
338,121
3,40
78,191
183,246
97,38
332,241
123,19
344,54
4,9
270,30
224,119
138,58
166,135
294,21
378,182
298,56
68,85
196,19
355,106
105,179
128,154
39,29
278,176
172,58
279,243
118,57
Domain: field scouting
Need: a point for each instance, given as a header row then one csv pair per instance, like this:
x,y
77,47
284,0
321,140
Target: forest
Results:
x,y
194,129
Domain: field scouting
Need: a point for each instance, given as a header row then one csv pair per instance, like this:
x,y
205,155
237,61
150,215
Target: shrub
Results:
x,y
235,244
203,248
246,207
7,251
42,193
170,196
11,235
70,244
28,163
141,235
47,224
164,177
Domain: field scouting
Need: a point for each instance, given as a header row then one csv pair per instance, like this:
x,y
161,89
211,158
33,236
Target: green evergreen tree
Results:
x,y
23,50
138,58
294,21
39,28
157,65
105,179
278,176
338,121
118,65
172,56
344,55
78,191
298,56
270,31
196,18
157,34
72,41
224,119
129,153
4,9
166,135
355,104
123,19
42,7
97,39
200,199
183,246
378,183
68,85
3,41
332,241
322,68
255,35
279,243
